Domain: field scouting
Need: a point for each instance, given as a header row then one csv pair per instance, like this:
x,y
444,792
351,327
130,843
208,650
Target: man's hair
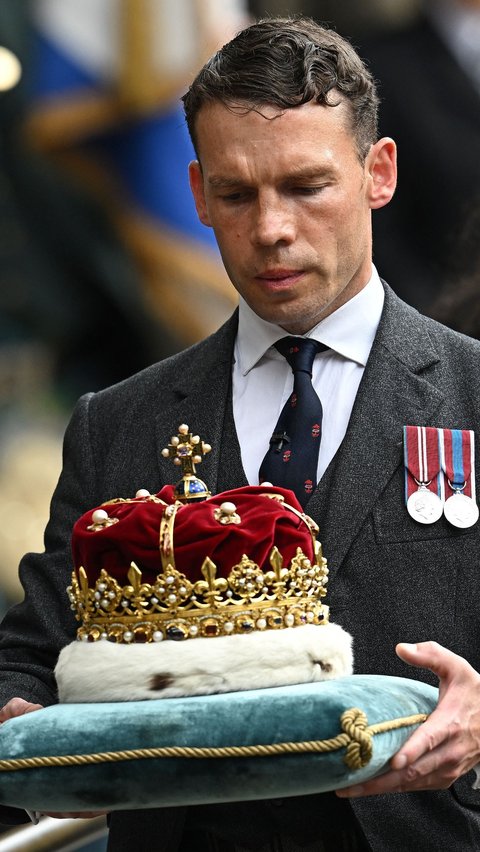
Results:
x,y
287,62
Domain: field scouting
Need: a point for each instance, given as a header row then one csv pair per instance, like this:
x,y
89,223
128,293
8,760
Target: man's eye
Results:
x,y
234,196
308,190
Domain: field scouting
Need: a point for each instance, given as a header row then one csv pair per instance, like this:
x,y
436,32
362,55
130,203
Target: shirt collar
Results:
x,y
349,331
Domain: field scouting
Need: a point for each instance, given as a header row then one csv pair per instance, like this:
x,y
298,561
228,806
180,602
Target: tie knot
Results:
x,y
300,352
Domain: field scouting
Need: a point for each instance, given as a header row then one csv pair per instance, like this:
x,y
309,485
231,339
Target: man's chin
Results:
x,y
293,319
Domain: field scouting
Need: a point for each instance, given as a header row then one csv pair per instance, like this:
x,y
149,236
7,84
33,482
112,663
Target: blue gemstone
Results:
x,y
176,633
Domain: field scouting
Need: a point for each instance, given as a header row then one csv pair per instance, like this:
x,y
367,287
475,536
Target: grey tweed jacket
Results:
x,y
391,579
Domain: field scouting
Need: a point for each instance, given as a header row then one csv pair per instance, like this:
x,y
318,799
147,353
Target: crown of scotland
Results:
x,y
182,564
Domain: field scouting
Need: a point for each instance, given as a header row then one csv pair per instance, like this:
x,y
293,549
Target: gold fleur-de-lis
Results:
x,y
212,587
278,577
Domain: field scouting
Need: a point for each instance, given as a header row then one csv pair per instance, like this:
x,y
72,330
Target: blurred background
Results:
x,y
104,267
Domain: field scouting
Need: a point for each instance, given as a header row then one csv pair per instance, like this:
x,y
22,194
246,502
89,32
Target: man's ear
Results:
x,y
381,166
196,185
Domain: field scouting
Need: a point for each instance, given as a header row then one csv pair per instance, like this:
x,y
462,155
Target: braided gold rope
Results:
x,y
357,738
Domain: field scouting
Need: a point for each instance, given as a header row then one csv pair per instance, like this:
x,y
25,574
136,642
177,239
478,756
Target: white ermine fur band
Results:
x,y
104,671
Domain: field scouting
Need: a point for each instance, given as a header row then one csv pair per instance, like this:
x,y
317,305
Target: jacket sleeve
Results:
x,y
34,631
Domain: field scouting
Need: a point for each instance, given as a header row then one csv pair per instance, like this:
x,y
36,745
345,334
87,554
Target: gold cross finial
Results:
x,y
187,450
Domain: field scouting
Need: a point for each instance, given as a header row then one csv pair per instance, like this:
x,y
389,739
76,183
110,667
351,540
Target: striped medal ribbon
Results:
x,y
457,451
424,481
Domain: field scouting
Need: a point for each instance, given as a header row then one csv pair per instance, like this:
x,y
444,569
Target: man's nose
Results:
x,y
273,223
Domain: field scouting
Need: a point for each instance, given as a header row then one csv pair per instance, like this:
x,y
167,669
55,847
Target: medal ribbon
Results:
x,y
422,460
457,449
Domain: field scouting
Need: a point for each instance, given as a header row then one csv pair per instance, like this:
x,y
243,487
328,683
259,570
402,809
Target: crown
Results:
x,y
154,572
182,564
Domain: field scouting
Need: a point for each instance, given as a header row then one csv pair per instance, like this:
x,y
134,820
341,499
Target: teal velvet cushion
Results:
x,y
145,779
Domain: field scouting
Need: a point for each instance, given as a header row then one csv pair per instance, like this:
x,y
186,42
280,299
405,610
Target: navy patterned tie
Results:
x,y
291,461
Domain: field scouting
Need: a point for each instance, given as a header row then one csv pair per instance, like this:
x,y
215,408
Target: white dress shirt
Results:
x,y
263,379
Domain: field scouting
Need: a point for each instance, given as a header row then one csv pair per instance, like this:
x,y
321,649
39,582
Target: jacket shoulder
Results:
x,y
161,379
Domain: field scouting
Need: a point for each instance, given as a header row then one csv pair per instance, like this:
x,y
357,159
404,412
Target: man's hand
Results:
x,y
17,707
447,745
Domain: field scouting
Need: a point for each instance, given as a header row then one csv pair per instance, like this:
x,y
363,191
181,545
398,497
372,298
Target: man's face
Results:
x,y
290,205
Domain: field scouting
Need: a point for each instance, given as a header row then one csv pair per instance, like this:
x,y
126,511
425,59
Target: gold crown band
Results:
x,y
173,607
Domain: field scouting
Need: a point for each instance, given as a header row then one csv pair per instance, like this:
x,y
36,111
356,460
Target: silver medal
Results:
x,y
461,511
424,506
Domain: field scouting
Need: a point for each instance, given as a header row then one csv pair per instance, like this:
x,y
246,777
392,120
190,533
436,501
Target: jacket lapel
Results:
x,y
392,393
199,396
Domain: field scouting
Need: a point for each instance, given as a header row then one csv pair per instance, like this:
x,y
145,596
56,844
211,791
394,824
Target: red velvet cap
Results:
x,y
253,520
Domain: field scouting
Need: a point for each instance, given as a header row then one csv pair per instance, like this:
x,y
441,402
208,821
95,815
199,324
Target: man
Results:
x,y
289,169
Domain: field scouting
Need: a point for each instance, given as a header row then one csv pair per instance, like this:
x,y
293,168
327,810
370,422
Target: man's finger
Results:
x,y
17,707
430,655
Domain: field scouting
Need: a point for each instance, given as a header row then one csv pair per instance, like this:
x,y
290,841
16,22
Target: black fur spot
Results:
x,y
160,681
325,667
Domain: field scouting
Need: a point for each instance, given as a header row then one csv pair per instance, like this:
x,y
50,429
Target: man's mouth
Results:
x,y
279,276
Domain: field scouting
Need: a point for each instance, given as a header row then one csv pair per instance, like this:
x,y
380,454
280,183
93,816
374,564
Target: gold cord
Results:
x,y
357,739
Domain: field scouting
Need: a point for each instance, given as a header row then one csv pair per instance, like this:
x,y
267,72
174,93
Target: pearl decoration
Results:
x,y
228,627
99,516
172,598
183,429
157,636
228,508
289,619
143,492
261,623
193,630
128,636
